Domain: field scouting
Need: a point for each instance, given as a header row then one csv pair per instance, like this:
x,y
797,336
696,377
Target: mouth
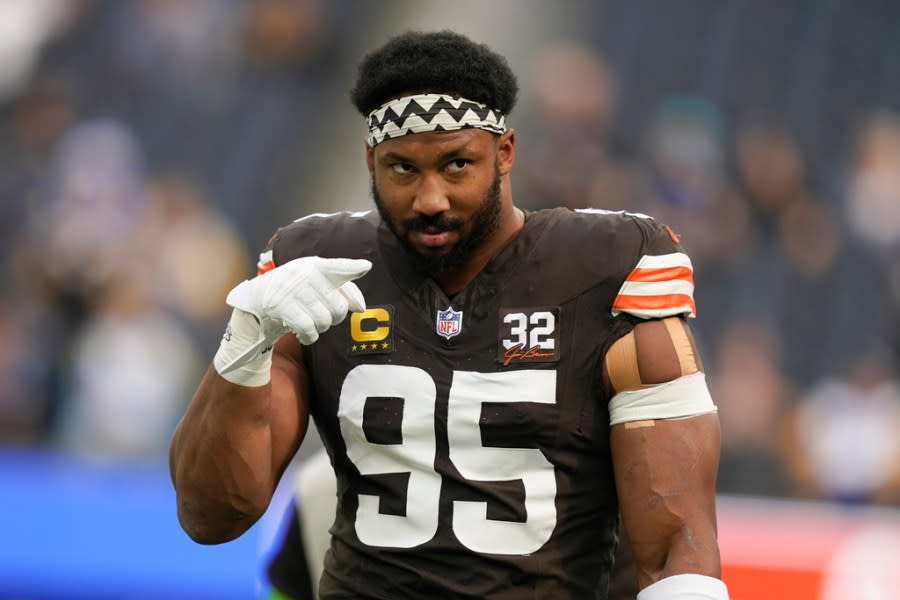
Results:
x,y
431,239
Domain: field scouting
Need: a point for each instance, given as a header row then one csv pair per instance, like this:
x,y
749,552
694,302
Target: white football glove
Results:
x,y
306,296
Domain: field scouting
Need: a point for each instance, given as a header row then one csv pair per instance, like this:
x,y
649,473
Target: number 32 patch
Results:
x,y
528,335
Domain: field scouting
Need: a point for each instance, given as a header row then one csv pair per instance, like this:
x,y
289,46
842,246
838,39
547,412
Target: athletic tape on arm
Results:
x,y
686,396
241,334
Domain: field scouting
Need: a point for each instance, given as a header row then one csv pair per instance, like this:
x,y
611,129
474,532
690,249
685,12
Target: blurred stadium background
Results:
x,y
148,148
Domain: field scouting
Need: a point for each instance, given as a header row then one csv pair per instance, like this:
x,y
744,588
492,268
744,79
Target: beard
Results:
x,y
483,223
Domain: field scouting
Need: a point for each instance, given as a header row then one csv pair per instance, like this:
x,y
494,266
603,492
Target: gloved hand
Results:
x,y
306,296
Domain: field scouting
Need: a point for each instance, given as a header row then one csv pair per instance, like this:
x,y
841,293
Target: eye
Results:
x,y
455,166
402,168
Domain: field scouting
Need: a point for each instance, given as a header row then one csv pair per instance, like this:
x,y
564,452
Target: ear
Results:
x,y
506,151
370,159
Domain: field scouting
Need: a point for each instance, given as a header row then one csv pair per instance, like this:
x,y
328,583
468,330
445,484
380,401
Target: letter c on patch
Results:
x,y
370,326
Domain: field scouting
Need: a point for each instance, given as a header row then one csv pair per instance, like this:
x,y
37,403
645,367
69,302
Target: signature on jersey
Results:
x,y
517,354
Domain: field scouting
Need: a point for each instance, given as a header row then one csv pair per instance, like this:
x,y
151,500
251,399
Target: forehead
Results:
x,y
437,142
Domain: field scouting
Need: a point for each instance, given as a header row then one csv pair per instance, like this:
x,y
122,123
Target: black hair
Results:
x,y
441,62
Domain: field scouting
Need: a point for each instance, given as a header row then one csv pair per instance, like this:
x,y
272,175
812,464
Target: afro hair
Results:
x,y
442,62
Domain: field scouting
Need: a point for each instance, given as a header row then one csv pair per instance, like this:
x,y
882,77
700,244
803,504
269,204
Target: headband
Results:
x,y
430,112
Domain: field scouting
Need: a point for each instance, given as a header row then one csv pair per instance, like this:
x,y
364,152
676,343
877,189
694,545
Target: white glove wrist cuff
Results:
x,y
241,333
687,586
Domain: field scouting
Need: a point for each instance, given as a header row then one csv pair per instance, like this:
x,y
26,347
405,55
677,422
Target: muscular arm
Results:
x,y
665,474
665,468
240,431
233,444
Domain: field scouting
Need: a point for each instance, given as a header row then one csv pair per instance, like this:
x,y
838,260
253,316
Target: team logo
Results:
x,y
372,331
449,322
528,335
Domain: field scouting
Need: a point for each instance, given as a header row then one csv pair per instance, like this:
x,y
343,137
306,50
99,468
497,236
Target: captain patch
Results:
x,y
372,331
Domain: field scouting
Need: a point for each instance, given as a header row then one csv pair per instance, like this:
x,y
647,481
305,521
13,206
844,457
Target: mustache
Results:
x,y
433,223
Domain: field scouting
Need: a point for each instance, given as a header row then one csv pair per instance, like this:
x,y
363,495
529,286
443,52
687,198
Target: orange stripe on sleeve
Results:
x,y
663,274
624,302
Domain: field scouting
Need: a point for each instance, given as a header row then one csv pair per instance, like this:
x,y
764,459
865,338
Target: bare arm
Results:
x,y
665,463
233,444
665,475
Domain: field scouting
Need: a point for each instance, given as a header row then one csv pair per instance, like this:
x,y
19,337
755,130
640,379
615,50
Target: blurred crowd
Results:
x,y
141,161
147,146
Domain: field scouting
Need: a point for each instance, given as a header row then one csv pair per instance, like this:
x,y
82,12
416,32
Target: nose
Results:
x,y
431,196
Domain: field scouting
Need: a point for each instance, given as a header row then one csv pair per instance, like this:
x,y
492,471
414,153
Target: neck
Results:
x,y
511,221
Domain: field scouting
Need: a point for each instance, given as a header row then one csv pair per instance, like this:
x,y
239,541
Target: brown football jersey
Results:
x,y
470,435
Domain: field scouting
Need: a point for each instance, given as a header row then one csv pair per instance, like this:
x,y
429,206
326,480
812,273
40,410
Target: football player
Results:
x,y
493,386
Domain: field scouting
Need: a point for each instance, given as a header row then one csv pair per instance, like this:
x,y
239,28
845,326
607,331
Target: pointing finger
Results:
x,y
341,270
355,300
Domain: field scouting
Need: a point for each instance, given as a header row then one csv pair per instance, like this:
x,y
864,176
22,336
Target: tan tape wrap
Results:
x,y
661,350
622,365
684,350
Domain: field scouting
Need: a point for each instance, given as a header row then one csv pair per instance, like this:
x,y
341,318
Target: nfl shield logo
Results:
x,y
449,322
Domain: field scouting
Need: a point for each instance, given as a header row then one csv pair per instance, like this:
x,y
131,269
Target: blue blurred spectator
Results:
x,y
132,369
684,149
189,254
846,446
800,275
753,396
872,209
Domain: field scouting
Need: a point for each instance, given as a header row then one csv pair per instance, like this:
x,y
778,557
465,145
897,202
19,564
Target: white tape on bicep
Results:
x,y
686,396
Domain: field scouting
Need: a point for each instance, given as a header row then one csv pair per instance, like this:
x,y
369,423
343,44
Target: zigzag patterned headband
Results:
x,y
430,112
